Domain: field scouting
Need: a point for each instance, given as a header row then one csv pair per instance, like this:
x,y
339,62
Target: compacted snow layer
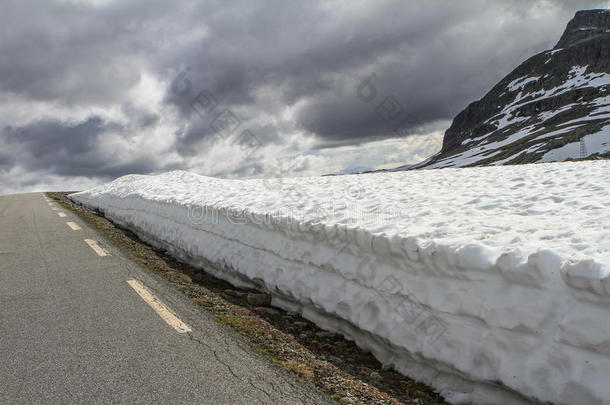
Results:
x,y
491,284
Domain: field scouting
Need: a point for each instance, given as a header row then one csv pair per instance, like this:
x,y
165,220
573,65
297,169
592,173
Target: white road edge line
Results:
x,y
96,248
160,308
62,214
73,225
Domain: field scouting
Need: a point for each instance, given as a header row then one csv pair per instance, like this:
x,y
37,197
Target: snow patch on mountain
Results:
x,y
599,142
518,84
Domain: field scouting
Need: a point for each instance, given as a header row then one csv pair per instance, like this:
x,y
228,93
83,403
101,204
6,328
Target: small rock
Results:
x,y
235,293
259,300
185,277
203,302
300,324
268,311
346,400
375,377
334,359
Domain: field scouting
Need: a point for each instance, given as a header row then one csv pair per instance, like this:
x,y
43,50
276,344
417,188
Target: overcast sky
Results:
x,y
94,89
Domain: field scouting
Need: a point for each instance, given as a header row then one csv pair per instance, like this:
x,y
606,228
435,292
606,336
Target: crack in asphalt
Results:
x,y
227,366
274,389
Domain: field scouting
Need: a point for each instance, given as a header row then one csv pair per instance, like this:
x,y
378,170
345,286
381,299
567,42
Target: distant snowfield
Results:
x,y
491,284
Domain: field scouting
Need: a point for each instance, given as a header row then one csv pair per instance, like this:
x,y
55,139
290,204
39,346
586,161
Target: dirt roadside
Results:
x,y
333,364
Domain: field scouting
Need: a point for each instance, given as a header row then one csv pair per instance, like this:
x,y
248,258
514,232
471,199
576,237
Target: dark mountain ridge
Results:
x,y
554,106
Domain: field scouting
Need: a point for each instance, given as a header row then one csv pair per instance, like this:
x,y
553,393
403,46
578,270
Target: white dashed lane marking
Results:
x,y
160,308
62,214
73,225
96,247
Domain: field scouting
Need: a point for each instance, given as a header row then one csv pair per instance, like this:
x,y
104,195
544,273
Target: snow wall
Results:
x,y
490,284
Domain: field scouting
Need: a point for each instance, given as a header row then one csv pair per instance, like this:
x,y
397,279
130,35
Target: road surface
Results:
x,y
81,323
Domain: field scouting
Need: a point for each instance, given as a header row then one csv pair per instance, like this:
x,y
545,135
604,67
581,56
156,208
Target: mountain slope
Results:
x,y
553,107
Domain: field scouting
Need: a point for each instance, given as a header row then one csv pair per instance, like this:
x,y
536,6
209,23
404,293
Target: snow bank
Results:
x,y
491,284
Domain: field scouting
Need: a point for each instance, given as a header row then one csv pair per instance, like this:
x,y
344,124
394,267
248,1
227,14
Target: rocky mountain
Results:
x,y
555,106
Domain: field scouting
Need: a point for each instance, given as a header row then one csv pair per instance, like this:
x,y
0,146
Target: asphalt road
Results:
x,y
73,330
